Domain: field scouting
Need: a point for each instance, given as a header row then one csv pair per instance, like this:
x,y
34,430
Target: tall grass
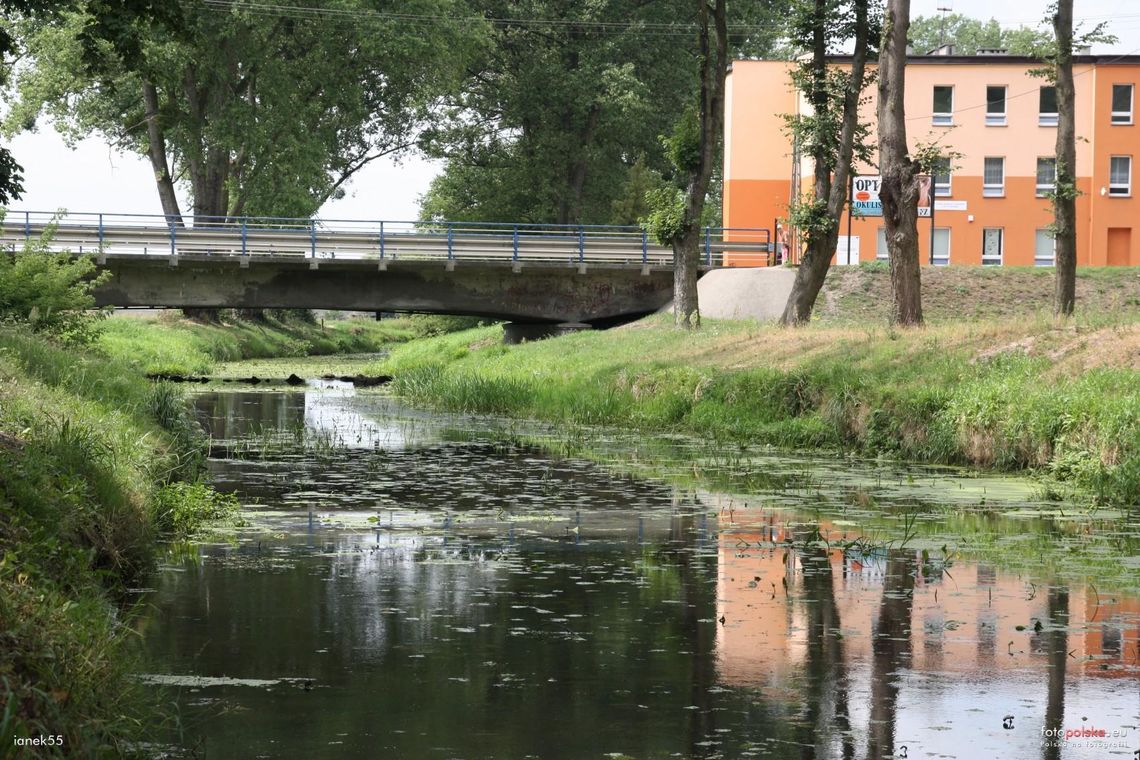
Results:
x,y
172,345
968,394
84,443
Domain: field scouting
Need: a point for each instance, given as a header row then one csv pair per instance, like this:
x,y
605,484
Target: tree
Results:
x,y
1065,193
697,165
968,35
831,135
256,110
556,110
898,190
565,101
1057,53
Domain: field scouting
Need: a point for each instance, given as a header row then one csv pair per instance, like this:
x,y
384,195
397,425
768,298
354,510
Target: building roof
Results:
x,y
989,59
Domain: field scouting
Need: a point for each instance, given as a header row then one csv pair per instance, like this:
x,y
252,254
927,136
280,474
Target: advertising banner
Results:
x,y
865,201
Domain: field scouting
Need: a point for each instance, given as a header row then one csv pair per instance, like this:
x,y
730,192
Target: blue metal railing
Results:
x,y
121,234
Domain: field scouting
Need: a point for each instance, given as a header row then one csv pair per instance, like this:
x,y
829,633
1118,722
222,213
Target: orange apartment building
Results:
x,y
990,206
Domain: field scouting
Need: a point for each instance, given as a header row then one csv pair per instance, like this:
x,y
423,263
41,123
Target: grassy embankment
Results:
x,y
86,446
1009,390
173,345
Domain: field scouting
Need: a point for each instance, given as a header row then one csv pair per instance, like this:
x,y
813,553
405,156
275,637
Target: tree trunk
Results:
x,y
1065,196
899,188
1057,642
890,651
821,247
686,268
156,150
686,245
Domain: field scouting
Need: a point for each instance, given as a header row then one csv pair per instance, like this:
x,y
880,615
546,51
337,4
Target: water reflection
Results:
x,y
434,597
891,651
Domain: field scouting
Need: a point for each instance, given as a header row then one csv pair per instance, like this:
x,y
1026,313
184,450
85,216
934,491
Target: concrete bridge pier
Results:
x,y
521,332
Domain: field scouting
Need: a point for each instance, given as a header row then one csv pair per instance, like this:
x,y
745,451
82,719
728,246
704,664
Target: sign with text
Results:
x,y
865,200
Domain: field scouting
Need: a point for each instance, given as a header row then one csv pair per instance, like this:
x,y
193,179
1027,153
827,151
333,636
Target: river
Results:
x,y
406,585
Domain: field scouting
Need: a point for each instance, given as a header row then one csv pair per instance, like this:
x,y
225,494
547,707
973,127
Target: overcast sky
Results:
x,y
95,178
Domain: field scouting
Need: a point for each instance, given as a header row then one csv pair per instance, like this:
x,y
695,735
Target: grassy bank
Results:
x,y
85,446
173,345
862,295
1009,394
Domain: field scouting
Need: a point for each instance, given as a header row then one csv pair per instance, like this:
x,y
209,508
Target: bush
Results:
x,y
180,509
50,292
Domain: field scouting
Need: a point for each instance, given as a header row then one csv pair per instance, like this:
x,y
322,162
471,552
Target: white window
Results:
x,y
993,246
881,244
943,105
995,106
1122,104
1120,176
941,255
942,178
1046,176
1047,116
993,177
1044,249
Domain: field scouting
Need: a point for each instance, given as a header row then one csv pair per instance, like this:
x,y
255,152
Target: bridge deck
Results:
x,y
123,235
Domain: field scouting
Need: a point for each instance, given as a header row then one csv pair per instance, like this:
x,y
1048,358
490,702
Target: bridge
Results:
x,y
520,272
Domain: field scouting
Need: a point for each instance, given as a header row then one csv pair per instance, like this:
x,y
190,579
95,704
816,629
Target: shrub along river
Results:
x,y
407,585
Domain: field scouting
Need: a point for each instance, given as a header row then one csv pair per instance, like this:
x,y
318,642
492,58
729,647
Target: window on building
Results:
x,y
942,178
993,246
1120,176
943,105
1044,249
995,106
1047,116
993,177
1122,104
881,244
1046,176
941,255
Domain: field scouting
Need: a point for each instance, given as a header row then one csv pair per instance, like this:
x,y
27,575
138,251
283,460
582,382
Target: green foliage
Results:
x,y
633,205
50,292
666,217
65,665
933,158
83,439
259,113
811,217
683,144
968,35
181,509
557,121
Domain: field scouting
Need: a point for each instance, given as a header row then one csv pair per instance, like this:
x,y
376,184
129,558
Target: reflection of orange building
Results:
x,y
962,624
990,206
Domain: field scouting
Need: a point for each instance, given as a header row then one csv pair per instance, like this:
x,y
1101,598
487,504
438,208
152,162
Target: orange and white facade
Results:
x,y
1000,121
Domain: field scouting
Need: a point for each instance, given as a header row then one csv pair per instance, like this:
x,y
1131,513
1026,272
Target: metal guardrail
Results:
x,y
153,235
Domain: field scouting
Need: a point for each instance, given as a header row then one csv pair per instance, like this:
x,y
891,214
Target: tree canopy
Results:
x,y
968,35
257,109
562,117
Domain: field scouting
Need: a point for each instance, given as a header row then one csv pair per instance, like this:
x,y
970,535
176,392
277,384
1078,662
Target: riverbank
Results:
x,y
1011,394
172,345
85,446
